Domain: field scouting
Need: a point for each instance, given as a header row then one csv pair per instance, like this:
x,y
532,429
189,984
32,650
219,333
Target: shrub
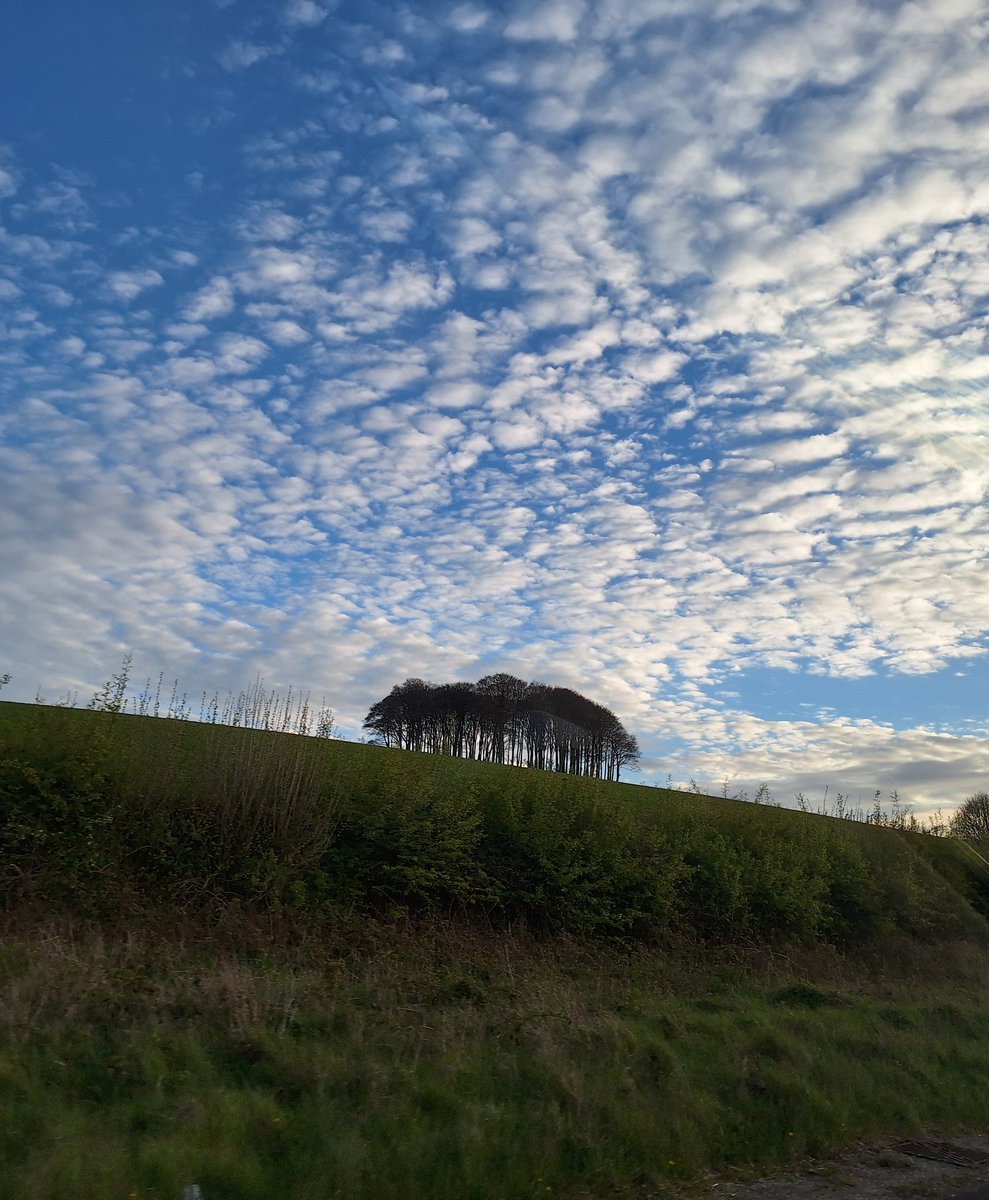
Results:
x,y
103,809
405,838
563,856
716,897
240,813
971,820
58,806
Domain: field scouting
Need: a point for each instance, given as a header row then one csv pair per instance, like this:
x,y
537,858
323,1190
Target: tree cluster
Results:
x,y
505,720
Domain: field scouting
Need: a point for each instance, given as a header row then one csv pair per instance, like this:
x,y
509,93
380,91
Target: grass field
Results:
x,y
286,966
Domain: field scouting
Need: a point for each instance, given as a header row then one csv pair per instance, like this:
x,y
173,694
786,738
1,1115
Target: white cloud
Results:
x,y
468,18
518,434
655,368
554,20
306,13
286,333
215,299
386,225
394,375
127,285
459,393
239,54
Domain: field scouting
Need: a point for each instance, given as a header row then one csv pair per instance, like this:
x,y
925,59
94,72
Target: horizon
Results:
x,y
638,351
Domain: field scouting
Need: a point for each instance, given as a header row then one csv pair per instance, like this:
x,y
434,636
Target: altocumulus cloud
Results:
x,y
640,348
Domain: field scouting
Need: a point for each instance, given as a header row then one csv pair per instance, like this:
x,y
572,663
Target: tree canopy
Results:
x,y
506,720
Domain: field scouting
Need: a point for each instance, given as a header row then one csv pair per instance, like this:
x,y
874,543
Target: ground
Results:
x,y
869,1172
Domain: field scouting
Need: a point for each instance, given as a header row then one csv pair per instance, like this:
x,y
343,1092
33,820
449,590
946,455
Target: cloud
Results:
x,y
239,54
214,299
556,20
468,18
459,393
306,13
128,285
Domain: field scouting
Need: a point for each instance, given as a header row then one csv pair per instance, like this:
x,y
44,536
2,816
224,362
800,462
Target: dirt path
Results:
x,y
874,1172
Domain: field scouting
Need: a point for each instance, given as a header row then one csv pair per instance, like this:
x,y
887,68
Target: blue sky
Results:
x,y
638,348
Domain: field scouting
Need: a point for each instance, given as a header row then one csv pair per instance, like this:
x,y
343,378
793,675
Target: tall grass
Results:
x,y
252,708
105,810
381,1062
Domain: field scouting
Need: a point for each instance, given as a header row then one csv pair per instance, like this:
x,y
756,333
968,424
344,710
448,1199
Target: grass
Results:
x,y
431,1060
276,965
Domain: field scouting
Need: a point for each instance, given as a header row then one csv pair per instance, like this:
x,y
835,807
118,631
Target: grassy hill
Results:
x,y
277,965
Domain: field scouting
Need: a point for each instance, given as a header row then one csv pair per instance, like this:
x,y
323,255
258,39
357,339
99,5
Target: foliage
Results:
x,y
57,812
397,1052
111,697
564,855
254,707
506,720
96,810
116,811
405,839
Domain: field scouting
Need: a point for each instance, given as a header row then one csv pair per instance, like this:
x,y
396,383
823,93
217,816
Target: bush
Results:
x,y
57,814
971,820
854,910
231,812
103,809
563,856
403,838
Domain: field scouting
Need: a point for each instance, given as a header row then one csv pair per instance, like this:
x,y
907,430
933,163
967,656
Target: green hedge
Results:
x,y
100,811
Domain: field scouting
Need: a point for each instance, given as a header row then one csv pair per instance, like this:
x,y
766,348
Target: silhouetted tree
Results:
x,y
504,719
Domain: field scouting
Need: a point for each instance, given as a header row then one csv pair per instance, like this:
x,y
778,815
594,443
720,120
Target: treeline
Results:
x,y
503,719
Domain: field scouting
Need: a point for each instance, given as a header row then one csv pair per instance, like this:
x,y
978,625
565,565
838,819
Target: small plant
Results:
x,y
149,703
111,697
324,722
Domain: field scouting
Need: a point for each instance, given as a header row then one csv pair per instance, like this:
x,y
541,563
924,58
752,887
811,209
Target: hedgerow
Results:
x,y
102,810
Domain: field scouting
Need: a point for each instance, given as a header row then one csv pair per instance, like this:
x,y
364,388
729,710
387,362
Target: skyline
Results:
x,y
639,350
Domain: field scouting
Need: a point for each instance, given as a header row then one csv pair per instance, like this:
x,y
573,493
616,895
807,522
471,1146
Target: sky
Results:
x,y
637,347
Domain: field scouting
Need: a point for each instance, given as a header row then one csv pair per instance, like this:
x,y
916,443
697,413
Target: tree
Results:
x,y
971,820
506,720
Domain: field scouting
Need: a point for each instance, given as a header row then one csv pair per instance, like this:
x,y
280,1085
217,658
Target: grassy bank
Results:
x,y
429,1060
108,813
284,966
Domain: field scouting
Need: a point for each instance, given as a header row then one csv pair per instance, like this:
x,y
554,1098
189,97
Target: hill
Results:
x,y
104,809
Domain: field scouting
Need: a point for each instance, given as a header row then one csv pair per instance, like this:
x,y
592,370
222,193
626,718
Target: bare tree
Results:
x,y
971,820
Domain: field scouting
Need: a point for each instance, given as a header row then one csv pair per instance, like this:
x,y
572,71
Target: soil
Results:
x,y
868,1172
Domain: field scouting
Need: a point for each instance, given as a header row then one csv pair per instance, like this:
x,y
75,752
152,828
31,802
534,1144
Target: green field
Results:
x,y
287,966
